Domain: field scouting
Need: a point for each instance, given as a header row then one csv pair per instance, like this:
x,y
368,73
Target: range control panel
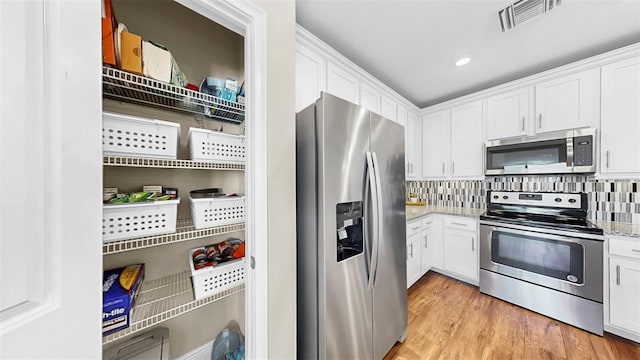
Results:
x,y
558,200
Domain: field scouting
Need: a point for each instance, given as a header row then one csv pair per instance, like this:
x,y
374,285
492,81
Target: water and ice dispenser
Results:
x,y
349,221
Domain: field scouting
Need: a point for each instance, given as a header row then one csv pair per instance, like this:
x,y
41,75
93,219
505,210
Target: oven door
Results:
x,y
563,262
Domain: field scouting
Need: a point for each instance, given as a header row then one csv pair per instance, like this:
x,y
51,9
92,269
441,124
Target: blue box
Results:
x,y
120,288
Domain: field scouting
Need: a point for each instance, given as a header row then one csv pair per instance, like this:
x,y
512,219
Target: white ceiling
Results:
x,y
412,45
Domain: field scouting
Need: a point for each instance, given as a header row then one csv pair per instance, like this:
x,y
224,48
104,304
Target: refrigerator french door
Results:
x,y
352,300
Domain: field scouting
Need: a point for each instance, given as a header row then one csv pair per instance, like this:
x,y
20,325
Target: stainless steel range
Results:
x,y
538,251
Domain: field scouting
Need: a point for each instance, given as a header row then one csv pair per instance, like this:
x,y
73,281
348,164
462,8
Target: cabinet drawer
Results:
x,y
414,227
462,223
624,247
427,221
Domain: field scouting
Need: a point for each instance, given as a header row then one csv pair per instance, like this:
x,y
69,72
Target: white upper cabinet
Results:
x,y
568,102
343,84
620,123
311,77
402,119
388,107
466,140
507,114
414,149
435,144
369,98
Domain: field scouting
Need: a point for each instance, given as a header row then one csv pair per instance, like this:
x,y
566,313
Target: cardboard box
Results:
x,y
108,30
120,288
131,52
156,62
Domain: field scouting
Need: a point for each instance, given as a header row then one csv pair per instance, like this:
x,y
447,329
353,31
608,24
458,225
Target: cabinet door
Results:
x,y
620,123
435,144
460,252
413,259
624,293
426,251
388,107
507,114
568,102
466,140
369,98
414,131
311,77
343,84
401,119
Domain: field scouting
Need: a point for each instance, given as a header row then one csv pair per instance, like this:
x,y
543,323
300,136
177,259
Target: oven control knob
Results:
x,y
558,199
572,200
572,278
495,196
505,197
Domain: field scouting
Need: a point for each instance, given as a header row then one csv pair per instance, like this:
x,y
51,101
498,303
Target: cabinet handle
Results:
x,y
425,242
617,274
472,244
459,224
523,123
408,172
539,121
607,159
411,252
635,250
443,167
453,167
412,168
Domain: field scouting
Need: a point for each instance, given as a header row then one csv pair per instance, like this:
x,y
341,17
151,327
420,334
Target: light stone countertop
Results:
x,y
415,212
609,227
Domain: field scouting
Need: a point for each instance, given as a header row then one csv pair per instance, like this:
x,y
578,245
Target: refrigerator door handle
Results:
x,y
372,186
378,219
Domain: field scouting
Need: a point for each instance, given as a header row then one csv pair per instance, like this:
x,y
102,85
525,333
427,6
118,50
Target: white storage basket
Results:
x,y
124,135
215,279
207,145
134,220
208,212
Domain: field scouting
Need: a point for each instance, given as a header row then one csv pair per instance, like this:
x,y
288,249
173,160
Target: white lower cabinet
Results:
x,y
460,238
622,310
426,236
413,252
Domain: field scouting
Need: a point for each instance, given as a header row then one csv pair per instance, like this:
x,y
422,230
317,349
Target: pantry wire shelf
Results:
x,y
124,86
165,298
184,231
169,163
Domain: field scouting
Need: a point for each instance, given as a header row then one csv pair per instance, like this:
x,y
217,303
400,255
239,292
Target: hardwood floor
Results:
x,y
449,319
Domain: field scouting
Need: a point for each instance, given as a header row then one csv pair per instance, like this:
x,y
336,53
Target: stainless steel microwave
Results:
x,y
561,152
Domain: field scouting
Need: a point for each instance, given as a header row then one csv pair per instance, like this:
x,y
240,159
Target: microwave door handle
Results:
x,y
570,151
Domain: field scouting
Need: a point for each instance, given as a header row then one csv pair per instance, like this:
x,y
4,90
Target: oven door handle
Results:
x,y
542,232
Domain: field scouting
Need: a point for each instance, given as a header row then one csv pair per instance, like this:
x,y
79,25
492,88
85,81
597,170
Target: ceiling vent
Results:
x,y
524,10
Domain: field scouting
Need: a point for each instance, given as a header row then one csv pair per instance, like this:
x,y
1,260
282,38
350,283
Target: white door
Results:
x,y
467,144
620,123
507,114
460,253
427,238
369,98
311,77
414,130
50,227
343,84
568,102
624,293
435,144
413,259
388,107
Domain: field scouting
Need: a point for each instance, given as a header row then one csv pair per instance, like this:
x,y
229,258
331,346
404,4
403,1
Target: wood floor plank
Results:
x,y
452,320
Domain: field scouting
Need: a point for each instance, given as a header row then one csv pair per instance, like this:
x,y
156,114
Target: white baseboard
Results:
x,y
200,353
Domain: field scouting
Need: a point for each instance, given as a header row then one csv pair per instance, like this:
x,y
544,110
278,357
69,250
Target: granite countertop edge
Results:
x,y
609,227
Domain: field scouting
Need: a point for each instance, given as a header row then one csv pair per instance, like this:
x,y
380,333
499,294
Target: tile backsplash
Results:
x,y
609,200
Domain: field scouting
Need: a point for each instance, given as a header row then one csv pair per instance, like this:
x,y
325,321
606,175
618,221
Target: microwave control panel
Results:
x,y
583,151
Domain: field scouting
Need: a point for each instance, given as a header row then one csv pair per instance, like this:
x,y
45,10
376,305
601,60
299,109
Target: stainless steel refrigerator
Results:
x,y
351,257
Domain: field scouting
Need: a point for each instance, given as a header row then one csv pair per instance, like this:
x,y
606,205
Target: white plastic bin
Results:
x,y
207,145
134,220
215,279
209,212
132,136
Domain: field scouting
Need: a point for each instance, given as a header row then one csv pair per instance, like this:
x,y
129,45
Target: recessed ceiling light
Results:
x,y
463,60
